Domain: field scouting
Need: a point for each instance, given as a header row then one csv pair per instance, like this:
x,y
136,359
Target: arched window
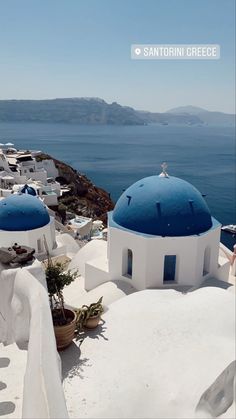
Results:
x,y
169,269
206,261
128,263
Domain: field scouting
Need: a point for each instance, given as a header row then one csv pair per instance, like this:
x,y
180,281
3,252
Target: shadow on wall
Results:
x,y
217,399
6,408
2,385
4,362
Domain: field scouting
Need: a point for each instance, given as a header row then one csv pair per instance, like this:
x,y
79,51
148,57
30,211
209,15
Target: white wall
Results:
x,y
149,254
119,242
30,237
5,192
40,175
93,250
50,167
50,200
96,273
99,263
20,180
30,319
4,163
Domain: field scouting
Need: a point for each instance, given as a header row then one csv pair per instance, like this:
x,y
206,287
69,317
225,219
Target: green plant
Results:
x,y
85,312
57,279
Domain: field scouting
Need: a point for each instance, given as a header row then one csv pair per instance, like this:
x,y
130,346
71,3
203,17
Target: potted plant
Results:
x,y
64,320
89,316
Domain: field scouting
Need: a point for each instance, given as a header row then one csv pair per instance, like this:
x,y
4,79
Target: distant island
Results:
x,y
95,111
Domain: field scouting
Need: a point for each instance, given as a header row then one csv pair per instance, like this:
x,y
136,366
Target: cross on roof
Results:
x,y
164,172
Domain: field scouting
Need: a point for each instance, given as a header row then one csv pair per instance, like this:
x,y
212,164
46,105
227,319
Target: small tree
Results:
x,y
57,279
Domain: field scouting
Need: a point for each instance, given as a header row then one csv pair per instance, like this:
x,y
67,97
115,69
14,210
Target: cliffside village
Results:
x,y
22,173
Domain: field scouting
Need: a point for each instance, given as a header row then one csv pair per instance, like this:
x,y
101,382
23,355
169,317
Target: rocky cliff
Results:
x,y
84,198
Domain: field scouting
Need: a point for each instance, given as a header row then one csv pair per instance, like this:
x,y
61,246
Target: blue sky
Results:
x,y
70,48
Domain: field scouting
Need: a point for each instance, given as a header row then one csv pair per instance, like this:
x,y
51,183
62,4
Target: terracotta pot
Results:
x,y
92,322
65,334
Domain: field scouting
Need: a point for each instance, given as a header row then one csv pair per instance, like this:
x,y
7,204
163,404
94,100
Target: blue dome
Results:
x,y
22,212
163,206
28,190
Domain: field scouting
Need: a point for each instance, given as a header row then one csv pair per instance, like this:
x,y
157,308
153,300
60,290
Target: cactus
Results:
x,y
85,312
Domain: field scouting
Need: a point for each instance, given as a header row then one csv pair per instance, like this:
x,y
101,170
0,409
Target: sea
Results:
x,y
114,157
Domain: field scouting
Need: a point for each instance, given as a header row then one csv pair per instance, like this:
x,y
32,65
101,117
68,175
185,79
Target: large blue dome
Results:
x,y
163,206
22,212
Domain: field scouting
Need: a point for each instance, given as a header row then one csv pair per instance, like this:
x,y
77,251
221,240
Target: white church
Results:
x,y
160,234
24,219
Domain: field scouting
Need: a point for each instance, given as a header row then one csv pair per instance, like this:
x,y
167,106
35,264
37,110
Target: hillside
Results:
x,y
95,111
84,197
87,111
207,117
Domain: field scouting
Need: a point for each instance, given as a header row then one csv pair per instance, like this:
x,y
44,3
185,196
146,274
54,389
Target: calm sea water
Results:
x,y
115,157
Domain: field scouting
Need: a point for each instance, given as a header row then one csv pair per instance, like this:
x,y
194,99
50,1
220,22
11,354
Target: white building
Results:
x,y
160,234
28,166
24,219
48,193
18,168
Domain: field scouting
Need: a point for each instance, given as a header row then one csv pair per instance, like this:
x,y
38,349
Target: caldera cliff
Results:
x,y
83,198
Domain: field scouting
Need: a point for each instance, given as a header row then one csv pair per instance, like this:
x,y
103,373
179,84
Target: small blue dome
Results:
x,y
22,212
28,190
163,206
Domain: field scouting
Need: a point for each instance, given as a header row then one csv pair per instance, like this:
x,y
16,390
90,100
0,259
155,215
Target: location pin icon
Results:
x,y
137,51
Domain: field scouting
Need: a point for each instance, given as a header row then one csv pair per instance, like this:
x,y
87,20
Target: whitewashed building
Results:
x,y
24,219
160,234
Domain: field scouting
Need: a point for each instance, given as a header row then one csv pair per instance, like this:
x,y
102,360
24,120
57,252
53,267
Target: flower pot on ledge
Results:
x,y
88,317
92,322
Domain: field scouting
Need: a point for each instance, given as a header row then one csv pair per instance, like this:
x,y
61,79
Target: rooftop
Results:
x,y
164,206
22,212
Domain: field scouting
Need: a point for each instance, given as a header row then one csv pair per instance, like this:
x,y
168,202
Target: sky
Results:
x,y
81,48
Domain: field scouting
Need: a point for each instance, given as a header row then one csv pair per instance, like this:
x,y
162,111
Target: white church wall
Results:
x,y
149,258
32,238
119,243
208,254
183,248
